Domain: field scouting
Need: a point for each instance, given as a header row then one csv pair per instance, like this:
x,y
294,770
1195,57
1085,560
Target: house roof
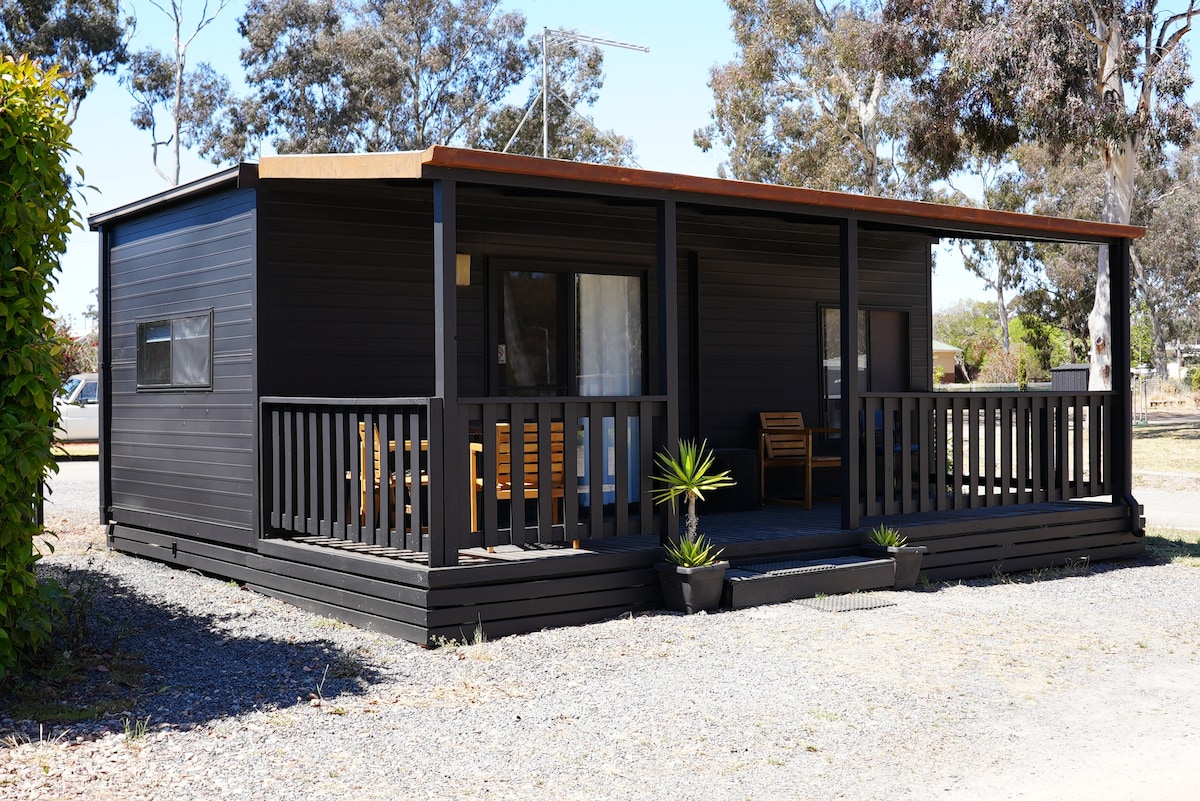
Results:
x,y
491,167
944,347
479,166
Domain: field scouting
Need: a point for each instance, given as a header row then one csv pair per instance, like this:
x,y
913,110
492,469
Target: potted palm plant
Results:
x,y
693,574
906,558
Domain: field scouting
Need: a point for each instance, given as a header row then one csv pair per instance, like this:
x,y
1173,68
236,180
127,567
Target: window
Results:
x,y
883,356
175,353
565,332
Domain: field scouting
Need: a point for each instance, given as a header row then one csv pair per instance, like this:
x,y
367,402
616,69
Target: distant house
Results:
x,y
422,391
946,361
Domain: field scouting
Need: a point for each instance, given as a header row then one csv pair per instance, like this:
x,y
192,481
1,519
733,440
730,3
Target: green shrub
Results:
x,y
36,213
1194,377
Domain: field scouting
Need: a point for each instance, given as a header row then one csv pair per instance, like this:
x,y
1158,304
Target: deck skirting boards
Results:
x,y
524,593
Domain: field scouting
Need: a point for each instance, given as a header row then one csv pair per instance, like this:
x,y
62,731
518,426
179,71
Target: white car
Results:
x,y
78,409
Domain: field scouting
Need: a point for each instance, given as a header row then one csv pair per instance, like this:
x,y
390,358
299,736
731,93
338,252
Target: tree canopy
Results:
x,y
343,76
576,75
1106,80
84,38
812,99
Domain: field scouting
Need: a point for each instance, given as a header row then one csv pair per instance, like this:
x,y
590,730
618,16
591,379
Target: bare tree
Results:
x,y
161,84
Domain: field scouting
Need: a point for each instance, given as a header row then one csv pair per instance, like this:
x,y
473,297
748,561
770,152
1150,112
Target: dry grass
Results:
x,y
1169,444
1174,544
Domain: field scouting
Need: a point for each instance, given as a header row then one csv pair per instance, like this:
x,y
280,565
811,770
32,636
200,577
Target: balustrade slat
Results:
x,y
275,485
646,508
572,425
941,444
545,480
621,465
925,443
596,472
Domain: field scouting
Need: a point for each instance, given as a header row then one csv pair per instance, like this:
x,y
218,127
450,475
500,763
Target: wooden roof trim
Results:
x,y
344,166
425,164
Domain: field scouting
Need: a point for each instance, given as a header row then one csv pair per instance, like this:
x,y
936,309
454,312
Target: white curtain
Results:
x,y
610,339
610,334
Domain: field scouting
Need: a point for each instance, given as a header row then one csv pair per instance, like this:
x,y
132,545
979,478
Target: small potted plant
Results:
x,y
906,558
693,574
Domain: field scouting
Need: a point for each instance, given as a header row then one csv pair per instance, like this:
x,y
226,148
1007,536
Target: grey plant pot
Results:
x,y
691,589
906,560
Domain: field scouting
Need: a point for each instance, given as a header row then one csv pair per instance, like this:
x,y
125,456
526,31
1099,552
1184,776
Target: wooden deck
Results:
x,y
524,588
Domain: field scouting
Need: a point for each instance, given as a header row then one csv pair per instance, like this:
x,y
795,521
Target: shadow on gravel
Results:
x,y
140,657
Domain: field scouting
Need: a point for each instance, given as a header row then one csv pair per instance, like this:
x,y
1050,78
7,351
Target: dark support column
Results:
x,y
693,267
444,538
1120,427
668,337
848,267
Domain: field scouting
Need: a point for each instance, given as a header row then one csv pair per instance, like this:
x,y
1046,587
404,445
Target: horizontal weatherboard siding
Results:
x,y
185,459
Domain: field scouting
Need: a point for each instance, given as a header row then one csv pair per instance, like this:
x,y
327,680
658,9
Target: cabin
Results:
x,y
423,392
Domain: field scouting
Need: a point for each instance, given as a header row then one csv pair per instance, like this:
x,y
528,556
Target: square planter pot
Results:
x,y
907,562
691,589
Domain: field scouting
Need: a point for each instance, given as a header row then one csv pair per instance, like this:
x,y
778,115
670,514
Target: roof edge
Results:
x,y
243,175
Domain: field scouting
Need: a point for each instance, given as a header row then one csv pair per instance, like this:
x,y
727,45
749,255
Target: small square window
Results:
x,y
175,353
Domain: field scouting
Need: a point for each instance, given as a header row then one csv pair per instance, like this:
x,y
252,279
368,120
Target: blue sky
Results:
x,y
658,99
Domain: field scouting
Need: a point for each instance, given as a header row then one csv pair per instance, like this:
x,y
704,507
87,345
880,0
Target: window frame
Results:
x,y
172,350
567,325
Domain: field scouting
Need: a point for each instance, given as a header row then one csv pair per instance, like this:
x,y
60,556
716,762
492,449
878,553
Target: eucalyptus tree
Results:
x,y
1105,78
576,75
84,38
172,102
346,76
1004,266
1166,264
813,98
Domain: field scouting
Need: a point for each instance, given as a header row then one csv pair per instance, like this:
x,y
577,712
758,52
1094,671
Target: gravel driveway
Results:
x,y
1079,684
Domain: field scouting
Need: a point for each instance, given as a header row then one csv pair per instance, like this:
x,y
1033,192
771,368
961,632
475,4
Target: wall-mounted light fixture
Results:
x,y
462,269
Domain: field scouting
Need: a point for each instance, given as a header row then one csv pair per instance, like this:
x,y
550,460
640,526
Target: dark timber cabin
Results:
x,y
266,330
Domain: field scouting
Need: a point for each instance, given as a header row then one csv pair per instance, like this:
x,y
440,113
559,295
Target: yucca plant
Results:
x,y
689,475
696,552
887,537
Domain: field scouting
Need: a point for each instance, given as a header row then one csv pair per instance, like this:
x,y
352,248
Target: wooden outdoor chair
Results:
x,y
370,488
377,472
505,480
784,441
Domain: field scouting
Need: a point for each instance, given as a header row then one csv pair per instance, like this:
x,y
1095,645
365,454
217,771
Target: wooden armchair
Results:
x,y
505,480
784,441
370,489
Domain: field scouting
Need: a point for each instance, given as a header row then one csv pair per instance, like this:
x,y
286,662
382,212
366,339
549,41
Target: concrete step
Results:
x,y
777,581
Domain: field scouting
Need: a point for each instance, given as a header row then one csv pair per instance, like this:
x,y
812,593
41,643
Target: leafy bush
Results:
x,y
36,214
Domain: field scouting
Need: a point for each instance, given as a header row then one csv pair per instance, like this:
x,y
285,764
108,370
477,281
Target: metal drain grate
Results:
x,y
847,603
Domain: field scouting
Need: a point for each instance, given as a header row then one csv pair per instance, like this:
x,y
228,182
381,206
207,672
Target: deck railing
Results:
x,y
600,489
937,451
327,472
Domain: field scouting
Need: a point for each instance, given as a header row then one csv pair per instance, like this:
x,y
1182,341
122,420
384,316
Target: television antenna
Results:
x,y
547,37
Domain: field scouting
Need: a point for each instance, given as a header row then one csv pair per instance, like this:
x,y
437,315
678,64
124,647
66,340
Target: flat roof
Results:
x,y
480,166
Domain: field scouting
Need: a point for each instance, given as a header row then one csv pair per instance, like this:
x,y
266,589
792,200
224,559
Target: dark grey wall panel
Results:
x,y
762,281
559,231
347,281
186,459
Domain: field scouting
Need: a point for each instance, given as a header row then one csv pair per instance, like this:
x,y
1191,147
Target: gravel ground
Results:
x,y
1079,684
